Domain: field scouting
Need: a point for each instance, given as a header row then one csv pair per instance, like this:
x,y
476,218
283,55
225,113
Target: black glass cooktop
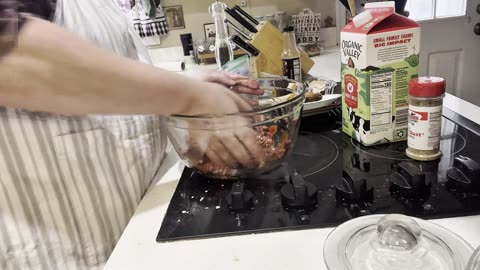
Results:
x,y
330,179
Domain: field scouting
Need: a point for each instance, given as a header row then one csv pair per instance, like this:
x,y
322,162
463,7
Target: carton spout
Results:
x,y
362,18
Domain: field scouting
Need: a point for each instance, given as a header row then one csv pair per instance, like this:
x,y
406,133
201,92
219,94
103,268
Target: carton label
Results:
x,y
351,91
352,48
381,93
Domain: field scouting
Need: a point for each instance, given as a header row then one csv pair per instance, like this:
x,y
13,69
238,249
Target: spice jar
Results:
x,y
425,118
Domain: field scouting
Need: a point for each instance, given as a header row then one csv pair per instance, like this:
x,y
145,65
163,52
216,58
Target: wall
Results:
x,y
196,13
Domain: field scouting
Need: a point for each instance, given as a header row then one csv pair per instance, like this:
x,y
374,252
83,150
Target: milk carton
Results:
x,y
379,57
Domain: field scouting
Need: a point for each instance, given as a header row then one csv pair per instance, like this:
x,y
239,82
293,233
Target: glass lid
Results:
x,y
394,242
474,263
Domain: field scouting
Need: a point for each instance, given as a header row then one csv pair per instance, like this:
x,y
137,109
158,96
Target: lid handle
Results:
x,y
398,232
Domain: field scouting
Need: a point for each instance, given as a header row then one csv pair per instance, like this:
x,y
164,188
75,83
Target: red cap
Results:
x,y
427,87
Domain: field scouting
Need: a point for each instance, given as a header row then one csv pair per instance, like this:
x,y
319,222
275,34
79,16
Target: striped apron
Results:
x,y
69,185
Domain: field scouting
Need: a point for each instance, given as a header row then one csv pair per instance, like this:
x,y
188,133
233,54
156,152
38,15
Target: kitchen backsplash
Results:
x,y
196,14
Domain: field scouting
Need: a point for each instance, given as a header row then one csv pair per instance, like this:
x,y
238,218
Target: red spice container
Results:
x,y
425,118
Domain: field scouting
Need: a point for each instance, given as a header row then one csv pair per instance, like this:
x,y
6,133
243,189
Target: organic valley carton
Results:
x,y
379,58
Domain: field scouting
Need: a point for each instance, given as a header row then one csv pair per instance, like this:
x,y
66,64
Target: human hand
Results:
x,y
234,146
215,99
238,83
242,85
227,140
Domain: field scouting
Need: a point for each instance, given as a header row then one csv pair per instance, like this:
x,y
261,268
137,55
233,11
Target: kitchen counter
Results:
x,y
327,65
137,248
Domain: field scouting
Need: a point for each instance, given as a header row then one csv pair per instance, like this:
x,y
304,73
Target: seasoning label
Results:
x,y
292,69
424,127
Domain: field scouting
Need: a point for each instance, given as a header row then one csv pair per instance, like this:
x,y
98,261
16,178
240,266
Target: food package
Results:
x,y
380,55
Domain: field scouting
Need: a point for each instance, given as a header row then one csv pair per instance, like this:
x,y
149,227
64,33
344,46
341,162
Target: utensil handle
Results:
x,y
241,20
245,14
345,3
353,9
244,45
240,32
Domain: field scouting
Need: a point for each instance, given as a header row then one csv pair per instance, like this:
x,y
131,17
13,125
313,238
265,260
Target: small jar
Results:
x,y
425,118
271,19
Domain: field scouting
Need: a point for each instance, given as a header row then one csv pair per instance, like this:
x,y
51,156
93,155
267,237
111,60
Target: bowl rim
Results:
x,y
250,113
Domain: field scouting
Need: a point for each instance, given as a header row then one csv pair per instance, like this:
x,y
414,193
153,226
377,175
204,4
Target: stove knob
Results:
x,y
464,175
239,199
353,191
360,163
298,193
409,180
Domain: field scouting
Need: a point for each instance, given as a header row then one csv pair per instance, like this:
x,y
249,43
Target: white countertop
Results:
x,y
327,65
137,248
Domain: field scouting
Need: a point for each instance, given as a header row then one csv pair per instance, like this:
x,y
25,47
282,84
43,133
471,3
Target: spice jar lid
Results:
x,y
427,87
394,242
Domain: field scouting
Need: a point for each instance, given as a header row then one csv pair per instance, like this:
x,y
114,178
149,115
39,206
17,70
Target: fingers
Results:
x,y
248,83
215,158
248,87
243,106
235,77
248,138
220,153
248,90
251,102
238,83
220,78
231,79
237,150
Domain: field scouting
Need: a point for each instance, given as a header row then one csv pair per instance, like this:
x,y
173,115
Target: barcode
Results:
x,y
401,117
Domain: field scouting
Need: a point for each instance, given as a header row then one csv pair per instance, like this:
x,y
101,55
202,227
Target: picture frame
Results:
x,y
210,31
175,17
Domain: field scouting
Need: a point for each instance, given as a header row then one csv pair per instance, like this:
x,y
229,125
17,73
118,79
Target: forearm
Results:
x,y
54,71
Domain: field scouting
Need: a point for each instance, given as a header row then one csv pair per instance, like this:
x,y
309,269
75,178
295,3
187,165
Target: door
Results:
x,y
450,46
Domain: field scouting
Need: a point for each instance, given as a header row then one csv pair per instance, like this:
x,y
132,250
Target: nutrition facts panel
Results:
x,y
381,101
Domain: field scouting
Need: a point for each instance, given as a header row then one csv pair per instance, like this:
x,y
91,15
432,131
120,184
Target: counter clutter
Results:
x,y
137,249
350,180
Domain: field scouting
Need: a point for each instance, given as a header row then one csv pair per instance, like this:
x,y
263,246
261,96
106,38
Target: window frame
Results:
x,y
463,17
439,19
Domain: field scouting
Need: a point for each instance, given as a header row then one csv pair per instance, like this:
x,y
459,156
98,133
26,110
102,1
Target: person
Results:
x,y
81,136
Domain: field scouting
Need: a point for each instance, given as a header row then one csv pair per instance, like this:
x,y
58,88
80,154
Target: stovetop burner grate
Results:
x,y
350,180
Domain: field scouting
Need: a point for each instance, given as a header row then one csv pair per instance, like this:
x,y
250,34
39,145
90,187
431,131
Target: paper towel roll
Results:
x,y
172,66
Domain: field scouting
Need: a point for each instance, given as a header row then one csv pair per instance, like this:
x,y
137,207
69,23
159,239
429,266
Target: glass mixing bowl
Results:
x,y
275,122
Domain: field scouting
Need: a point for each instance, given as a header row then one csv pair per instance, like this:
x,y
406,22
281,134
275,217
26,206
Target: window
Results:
x,y
421,10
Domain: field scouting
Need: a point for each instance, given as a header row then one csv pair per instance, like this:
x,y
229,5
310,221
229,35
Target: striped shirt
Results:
x,y
69,185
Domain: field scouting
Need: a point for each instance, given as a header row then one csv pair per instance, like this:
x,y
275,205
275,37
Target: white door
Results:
x,y
450,46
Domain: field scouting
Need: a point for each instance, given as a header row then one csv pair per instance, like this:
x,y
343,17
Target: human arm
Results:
x,y
53,70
